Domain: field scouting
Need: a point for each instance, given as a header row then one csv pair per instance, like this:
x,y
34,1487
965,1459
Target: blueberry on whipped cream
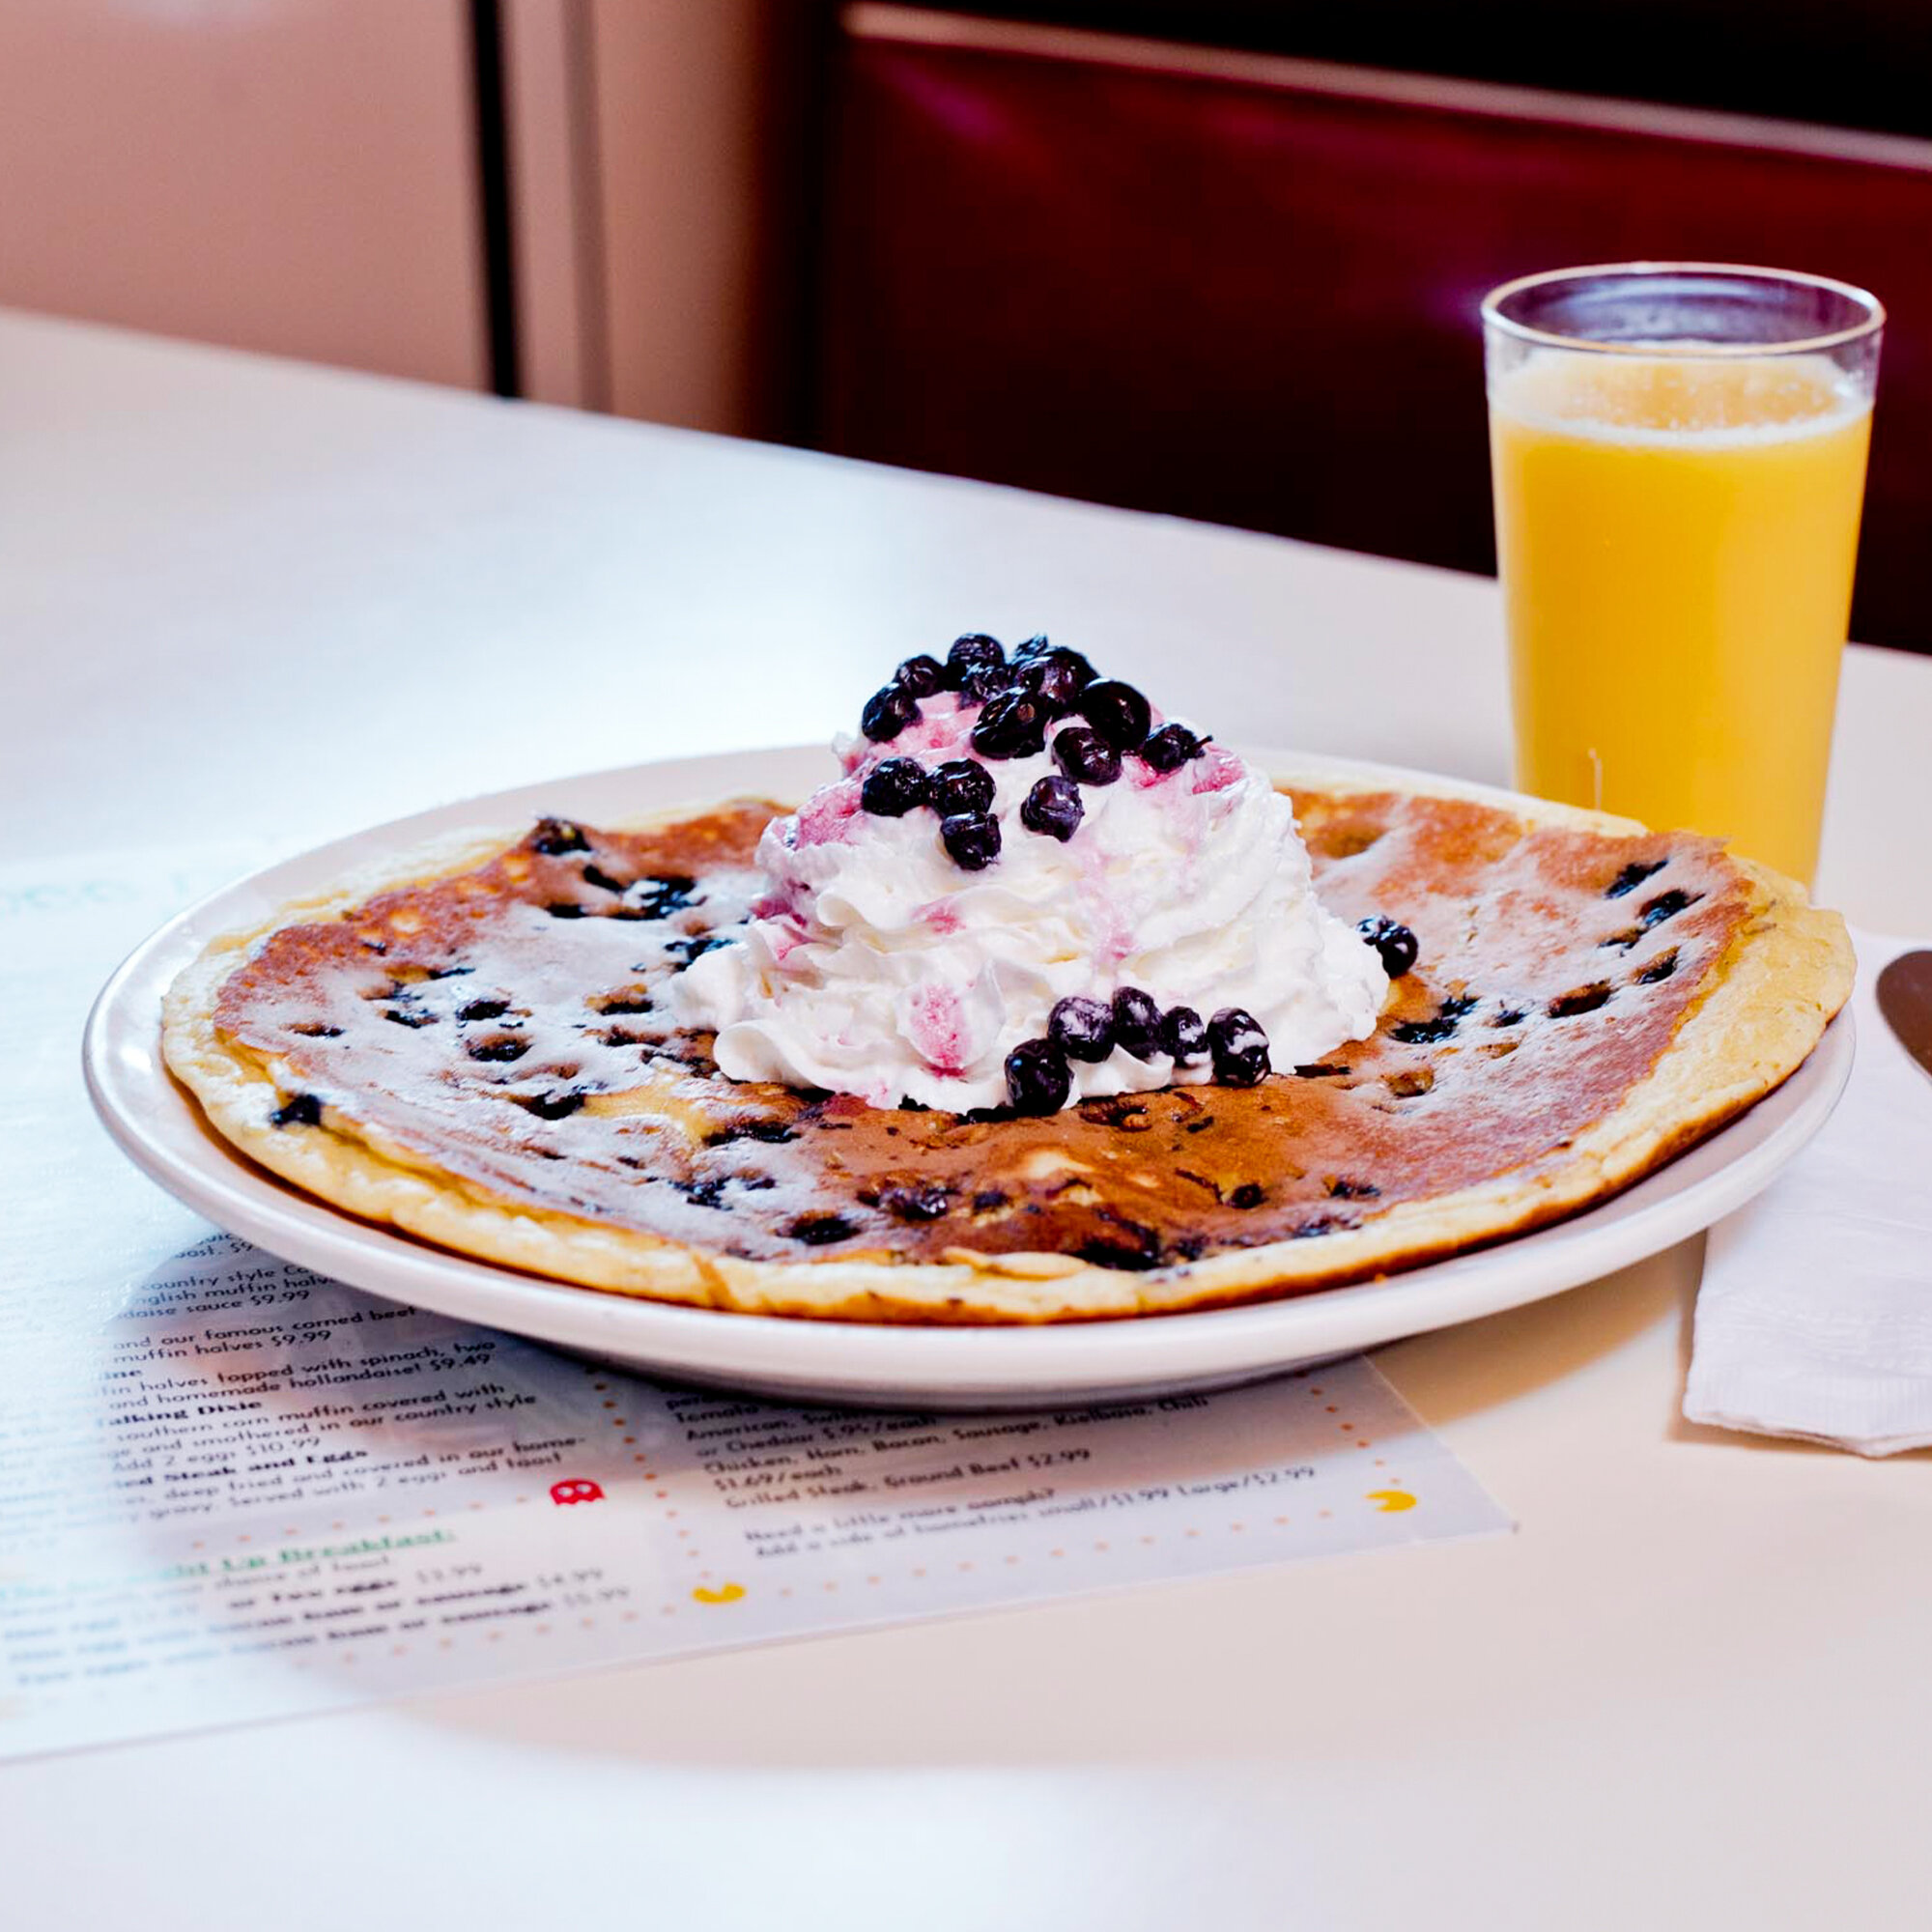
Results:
x,y
959,785
1037,1079
894,788
1171,746
1083,755
1026,891
1137,1023
1240,1049
972,839
888,712
1057,676
978,668
1117,711
920,677
1082,1029
1053,807
1013,725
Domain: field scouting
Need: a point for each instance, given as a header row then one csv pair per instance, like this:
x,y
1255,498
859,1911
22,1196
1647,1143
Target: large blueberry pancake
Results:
x,y
484,1048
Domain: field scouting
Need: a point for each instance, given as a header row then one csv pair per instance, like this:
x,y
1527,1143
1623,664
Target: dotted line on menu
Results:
x,y
689,1550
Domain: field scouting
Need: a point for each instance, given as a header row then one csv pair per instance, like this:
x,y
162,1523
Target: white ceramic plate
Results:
x,y
163,1131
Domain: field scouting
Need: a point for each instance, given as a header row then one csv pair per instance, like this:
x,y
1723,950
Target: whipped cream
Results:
x,y
876,966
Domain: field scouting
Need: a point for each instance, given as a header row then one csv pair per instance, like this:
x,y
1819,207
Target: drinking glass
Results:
x,y
1678,455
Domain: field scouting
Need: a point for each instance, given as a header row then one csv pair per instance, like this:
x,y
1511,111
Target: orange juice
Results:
x,y
1677,537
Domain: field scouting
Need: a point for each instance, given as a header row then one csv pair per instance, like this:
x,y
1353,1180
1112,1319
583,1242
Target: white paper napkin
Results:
x,y
1815,1316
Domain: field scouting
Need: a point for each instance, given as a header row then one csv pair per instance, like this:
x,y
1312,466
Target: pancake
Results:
x,y
478,1046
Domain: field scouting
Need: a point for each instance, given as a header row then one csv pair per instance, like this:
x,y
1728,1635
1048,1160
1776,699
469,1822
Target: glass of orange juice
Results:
x,y
1678,452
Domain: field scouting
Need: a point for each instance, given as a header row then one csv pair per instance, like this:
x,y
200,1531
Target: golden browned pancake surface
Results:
x,y
504,1034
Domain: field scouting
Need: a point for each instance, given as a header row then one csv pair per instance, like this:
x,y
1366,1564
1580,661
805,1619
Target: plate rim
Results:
x,y
155,1123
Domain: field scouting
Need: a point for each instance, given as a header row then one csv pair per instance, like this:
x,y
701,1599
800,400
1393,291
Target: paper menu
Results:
x,y
283,1494
231,1488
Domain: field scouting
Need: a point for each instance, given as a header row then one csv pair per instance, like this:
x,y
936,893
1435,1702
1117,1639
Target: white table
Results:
x,y
1693,1689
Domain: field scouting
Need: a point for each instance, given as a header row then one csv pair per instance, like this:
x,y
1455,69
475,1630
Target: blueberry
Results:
x,y
1584,999
1058,679
1117,711
663,896
1011,726
556,835
920,677
959,785
1053,807
975,651
1633,876
1082,754
1665,905
816,1231
982,684
1440,1026
688,951
915,1201
888,712
1182,1035
1170,748
970,840
498,1046
1053,688
1037,1081
1394,942
894,788
551,1106
1136,1023
1082,1029
1039,646
1240,1047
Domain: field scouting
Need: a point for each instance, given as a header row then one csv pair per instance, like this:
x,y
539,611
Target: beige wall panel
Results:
x,y
288,175
693,103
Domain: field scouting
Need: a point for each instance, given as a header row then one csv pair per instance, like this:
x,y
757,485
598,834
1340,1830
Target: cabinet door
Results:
x,y
297,176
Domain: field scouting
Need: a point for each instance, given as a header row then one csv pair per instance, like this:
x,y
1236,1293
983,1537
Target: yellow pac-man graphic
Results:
x,y
725,1593
1391,1499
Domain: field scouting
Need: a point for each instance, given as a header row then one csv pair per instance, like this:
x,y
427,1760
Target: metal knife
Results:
x,y
1905,999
